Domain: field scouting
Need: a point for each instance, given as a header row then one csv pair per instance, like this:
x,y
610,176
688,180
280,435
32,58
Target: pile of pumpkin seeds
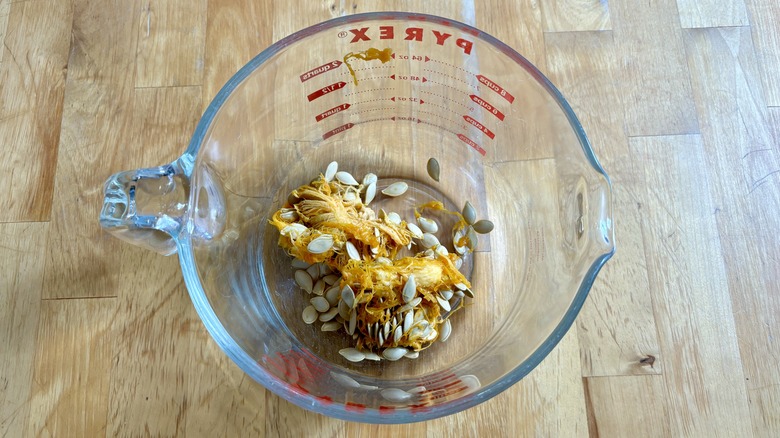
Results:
x,y
406,328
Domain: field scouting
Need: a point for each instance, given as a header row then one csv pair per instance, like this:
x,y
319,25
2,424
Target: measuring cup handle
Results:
x,y
146,207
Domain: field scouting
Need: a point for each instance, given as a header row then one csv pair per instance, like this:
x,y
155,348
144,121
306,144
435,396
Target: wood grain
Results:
x,y
170,43
741,148
617,331
764,19
21,270
613,399
32,82
712,13
75,350
657,90
518,24
5,9
703,373
575,15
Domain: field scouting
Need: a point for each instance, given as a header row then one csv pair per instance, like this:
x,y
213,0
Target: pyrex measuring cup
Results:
x,y
506,141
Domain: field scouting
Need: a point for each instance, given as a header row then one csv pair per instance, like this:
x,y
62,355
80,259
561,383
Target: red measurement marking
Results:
x,y
325,90
407,99
409,57
320,70
481,102
325,399
471,143
497,88
386,409
335,131
480,126
352,406
330,112
408,78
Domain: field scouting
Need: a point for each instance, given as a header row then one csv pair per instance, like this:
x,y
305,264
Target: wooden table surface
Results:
x,y
678,338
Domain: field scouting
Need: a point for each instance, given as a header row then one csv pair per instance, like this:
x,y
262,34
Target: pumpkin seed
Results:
x,y
332,295
396,189
347,381
309,315
395,395
469,213
370,193
299,264
303,280
372,356
468,293
350,196
415,230
331,326
394,353
394,218
352,322
410,289
408,321
471,236
417,389
348,296
444,304
446,294
383,261
352,354
427,225
483,226
446,330
433,169
369,179
324,269
412,355
330,279
429,240
314,271
321,244
288,214
381,338
410,305
293,231
441,250
398,334
330,314
320,303
456,237
386,328
346,178
352,251
319,288
458,262
330,172
343,310
459,294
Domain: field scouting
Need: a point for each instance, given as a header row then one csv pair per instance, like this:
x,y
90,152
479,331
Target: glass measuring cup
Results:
x,y
506,141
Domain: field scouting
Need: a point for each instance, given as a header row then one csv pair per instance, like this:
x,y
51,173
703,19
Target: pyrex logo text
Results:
x,y
410,34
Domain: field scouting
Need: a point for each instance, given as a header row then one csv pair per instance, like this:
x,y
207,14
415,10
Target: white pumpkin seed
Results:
x,y
299,264
314,271
324,269
415,230
339,319
330,314
372,356
446,294
376,232
346,178
352,251
330,279
461,286
456,237
459,294
469,293
320,303
288,214
469,213
348,296
381,338
347,381
386,329
441,250
394,353
322,243
427,225
395,395
370,193
293,231
374,250
303,280
446,331
408,321
343,310
412,355
352,322
332,295
309,315
410,305
429,254
398,334
433,169
394,218
444,304
471,236
483,226
472,383
429,240
352,354
417,389
331,326
396,189
331,170
458,262
319,288
383,261
410,289
369,179
350,196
